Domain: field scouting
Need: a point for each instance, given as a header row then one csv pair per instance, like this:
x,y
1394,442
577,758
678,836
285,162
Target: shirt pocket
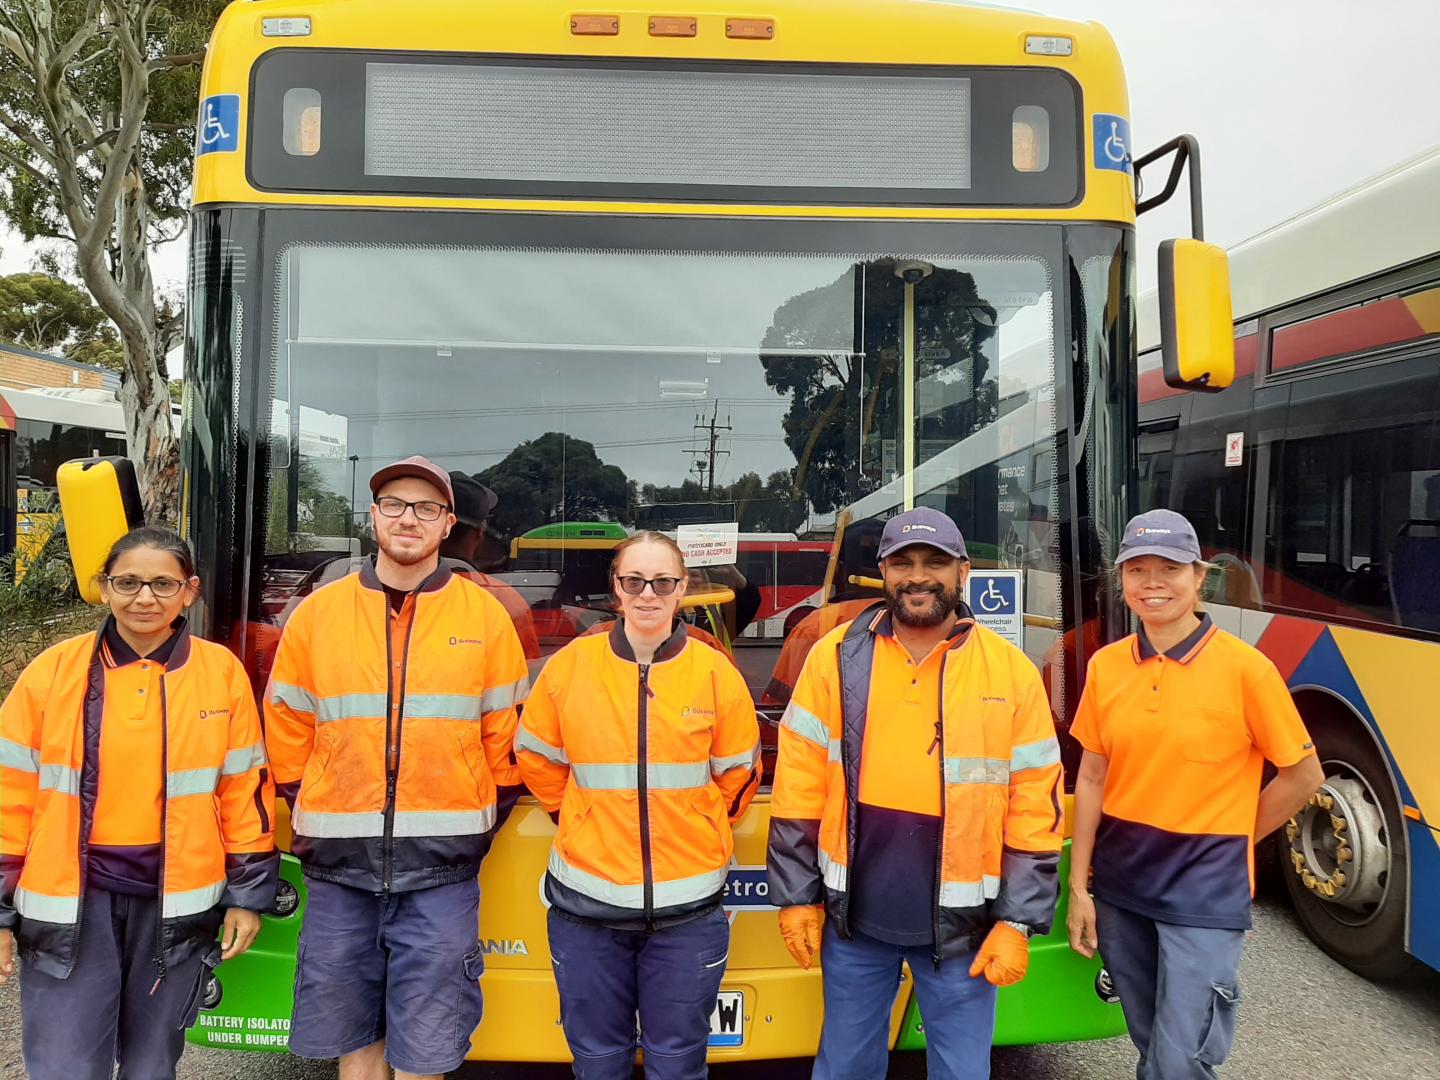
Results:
x,y
1210,734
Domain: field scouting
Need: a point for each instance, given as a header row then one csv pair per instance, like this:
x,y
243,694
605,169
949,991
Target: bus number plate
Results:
x,y
727,1022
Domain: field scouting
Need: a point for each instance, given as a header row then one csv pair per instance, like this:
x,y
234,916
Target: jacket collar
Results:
x,y
1181,653
112,651
670,648
882,624
370,579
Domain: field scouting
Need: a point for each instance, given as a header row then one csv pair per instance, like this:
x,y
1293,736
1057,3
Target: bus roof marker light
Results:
x,y
1037,45
287,27
595,25
750,29
672,26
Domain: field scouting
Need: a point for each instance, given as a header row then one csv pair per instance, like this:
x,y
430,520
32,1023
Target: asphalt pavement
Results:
x,y
1303,1016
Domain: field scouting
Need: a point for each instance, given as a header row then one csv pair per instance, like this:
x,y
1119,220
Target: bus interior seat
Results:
x,y
1415,575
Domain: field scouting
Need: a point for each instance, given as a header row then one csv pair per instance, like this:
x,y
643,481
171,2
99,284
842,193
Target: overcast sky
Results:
x,y
1292,100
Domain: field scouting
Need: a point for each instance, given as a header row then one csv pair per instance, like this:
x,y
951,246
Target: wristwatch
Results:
x,y
1028,931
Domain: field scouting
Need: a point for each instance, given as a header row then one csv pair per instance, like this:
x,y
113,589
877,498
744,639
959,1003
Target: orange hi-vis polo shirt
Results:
x,y
1187,734
902,781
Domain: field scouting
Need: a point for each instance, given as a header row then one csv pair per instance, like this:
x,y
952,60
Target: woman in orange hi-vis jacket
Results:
x,y
135,822
643,745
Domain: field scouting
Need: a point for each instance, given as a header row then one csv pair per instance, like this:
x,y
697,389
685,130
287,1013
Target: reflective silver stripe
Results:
x,y
351,707
21,758
525,739
60,778
719,766
409,823
52,909
338,826
193,902
244,759
962,894
505,697
969,770
805,724
657,777
834,749
1036,755
442,707
192,782
444,822
293,696
836,875
666,893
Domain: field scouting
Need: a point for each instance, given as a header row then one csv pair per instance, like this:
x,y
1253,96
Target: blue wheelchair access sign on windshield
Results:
x,y
1112,142
219,128
995,600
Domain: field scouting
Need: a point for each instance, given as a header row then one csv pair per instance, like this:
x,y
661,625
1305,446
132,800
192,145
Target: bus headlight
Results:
x,y
287,899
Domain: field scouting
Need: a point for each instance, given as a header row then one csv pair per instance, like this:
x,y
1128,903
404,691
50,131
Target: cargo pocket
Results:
x,y
191,1011
1219,1031
469,1006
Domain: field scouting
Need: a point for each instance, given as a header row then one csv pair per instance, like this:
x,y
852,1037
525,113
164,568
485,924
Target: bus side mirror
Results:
x,y
100,502
1197,330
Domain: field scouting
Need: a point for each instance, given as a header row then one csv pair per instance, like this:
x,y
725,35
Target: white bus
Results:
x,y
1314,482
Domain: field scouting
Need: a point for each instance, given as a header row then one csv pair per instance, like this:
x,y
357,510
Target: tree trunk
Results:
x,y
154,449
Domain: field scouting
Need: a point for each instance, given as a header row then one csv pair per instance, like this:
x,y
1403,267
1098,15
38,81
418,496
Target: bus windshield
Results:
x,y
782,395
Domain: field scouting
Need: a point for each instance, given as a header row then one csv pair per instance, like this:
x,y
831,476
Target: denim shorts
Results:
x,y
404,968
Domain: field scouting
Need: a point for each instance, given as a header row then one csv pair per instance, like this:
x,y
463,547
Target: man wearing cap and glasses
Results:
x,y
916,812
390,715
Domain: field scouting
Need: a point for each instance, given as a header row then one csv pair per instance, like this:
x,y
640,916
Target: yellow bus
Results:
x,y
790,267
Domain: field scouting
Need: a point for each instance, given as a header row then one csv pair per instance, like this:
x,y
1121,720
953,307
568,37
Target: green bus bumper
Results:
x,y
1061,998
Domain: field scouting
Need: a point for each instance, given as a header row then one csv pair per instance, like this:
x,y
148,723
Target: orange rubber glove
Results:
x,y
800,927
1003,957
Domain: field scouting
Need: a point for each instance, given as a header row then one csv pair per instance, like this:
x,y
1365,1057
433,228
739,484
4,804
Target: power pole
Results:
x,y
706,468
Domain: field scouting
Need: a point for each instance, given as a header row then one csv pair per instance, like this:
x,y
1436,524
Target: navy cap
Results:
x,y
1159,532
922,526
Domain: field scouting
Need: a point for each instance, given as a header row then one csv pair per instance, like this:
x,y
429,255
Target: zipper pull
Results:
x,y
156,987
645,680
936,743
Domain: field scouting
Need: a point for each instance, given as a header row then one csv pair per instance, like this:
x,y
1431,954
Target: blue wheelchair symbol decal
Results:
x,y
994,595
1112,142
219,124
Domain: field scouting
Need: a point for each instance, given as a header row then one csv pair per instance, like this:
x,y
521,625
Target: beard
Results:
x,y
943,605
408,556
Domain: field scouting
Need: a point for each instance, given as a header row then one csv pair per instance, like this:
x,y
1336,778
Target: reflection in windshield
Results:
x,y
782,405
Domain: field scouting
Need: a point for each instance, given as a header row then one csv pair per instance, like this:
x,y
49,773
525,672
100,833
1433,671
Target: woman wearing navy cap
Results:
x,y
1177,722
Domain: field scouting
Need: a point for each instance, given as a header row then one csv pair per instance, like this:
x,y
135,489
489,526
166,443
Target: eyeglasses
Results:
x,y
634,584
162,588
392,507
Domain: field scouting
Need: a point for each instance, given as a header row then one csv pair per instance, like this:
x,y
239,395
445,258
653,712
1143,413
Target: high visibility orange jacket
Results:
x,y
217,848
390,734
646,764
1001,816
801,640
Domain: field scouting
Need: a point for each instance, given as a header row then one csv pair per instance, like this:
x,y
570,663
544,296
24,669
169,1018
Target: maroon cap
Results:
x,y
420,468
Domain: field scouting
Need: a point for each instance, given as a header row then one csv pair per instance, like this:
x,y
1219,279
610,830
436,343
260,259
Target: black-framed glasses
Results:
x,y
634,584
425,510
162,588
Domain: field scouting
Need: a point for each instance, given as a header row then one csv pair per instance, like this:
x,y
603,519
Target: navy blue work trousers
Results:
x,y
671,977
1179,987
105,1013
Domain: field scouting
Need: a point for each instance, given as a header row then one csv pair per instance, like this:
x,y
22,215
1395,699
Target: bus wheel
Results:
x,y
1344,860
